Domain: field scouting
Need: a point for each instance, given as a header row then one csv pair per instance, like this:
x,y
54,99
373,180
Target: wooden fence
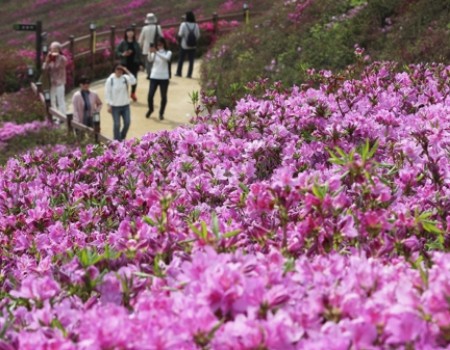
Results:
x,y
44,97
86,46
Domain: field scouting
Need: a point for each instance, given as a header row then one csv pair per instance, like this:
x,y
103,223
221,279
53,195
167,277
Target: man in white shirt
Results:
x,y
148,36
118,100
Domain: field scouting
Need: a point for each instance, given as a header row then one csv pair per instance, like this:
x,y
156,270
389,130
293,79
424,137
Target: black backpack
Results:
x,y
191,39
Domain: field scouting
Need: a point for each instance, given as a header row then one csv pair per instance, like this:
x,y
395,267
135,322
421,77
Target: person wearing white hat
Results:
x,y
148,37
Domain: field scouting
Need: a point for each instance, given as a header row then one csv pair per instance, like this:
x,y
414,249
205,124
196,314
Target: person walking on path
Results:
x,y
189,33
130,55
117,99
159,76
55,65
85,103
148,36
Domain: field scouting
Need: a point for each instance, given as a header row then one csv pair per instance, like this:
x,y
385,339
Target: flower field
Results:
x,y
66,18
10,130
314,218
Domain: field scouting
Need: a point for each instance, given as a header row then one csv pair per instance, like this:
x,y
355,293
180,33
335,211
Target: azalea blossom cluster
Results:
x,y
239,301
348,15
297,8
10,130
313,218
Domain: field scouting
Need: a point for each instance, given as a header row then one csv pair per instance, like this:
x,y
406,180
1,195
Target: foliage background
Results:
x,y
68,17
284,41
296,36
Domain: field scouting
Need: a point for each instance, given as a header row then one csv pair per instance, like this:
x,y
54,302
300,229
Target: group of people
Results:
x,y
149,53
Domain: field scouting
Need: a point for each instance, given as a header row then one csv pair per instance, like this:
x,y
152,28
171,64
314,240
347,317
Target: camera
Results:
x,y
152,45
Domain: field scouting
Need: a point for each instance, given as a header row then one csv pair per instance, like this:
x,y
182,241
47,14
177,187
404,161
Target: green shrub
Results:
x,y
324,36
13,71
21,107
45,138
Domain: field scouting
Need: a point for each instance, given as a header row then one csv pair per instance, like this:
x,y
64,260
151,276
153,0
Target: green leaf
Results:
x,y
142,274
435,245
56,323
215,225
373,149
430,226
320,191
149,221
187,241
289,265
232,233
110,253
204,230
195,230
336,161
88,257
423,272
425,215
244,188
365,150
194,96
341,152
156,269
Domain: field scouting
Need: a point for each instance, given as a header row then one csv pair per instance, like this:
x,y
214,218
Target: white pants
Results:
x,y
57,98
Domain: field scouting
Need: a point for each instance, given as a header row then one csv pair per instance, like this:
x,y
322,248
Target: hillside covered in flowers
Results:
x,y
314,218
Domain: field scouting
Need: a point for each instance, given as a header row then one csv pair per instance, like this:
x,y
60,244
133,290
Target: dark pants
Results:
x,y
134,69
87,120
163,87
191,55
124,112
148,65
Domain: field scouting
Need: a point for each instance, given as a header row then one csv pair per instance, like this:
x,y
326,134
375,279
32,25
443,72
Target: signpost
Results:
x,y
36,27
25,27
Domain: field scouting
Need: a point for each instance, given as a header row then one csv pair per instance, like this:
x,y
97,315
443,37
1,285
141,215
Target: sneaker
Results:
x,y
178,75
147,115
133,97
161,117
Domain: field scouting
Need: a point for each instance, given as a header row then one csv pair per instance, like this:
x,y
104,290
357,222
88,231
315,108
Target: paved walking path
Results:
x,y
179,107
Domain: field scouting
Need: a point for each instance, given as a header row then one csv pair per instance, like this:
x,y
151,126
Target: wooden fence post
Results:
x,y
38,47
246,13
72,53
112,41
44,51
96,126
69,123
92,28
38,89
30,74
215,20
47,105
